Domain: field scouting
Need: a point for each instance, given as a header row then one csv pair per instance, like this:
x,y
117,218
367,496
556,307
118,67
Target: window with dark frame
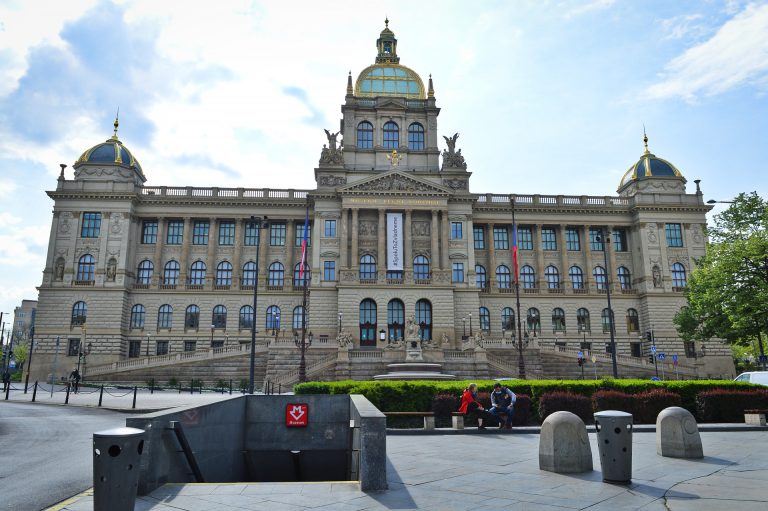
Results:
x,y
298,237
524,238
277,234
620,240
330,229
572,241
149,232
457,231
478,232
391,135
500,238
416,137
596,239
200,231
365,135
674,235
134,349
226,232
252,232
161,347
548,239
481,279
73,349
329,270
175,234
457,273
91,227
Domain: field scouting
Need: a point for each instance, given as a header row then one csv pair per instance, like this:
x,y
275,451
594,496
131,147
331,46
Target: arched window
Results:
x,y
367,267
367,322
171,273
85,267
528,277
625,280
481,279
582,320
508,319
395,319
424,319
533,320
577,277
552,277
365,135
197,274
678,277
138,313
415,137
300,280
605,319
633,321
420,268
224,274
192,317
298,317
79,313
485,319
558,320
391,135
164,316
502,277
276,275
599,274
246,317
144,275
249,274
273,318
219,318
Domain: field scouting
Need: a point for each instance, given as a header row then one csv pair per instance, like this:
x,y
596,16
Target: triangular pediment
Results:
x,y
391,103
396,182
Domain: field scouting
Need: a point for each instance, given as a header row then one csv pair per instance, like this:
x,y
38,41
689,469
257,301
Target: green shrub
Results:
x,y
173,382
559,401
722,405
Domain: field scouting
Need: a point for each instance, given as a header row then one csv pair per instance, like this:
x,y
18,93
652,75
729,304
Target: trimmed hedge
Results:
x,y
393,396
721,405
644,406
559,401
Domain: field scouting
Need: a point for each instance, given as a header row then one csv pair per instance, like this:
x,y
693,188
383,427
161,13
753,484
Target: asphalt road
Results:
x,y
45,452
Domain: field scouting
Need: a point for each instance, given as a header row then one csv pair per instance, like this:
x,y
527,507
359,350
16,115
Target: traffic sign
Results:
x,y
653,349
296,415
763,358
661,356
594,359
580,354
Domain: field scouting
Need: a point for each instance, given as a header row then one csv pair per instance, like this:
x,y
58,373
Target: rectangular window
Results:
x,y
190,345
620,240
457,231
162,348
251,238
175,232
200,231
548,239
572,239
330,229
134,349
149,232
479,235
635,350
299,234
596,239
91,225
524,238
690,349
277,234
500,238
457,275
674,234
329,270
73,348
226,232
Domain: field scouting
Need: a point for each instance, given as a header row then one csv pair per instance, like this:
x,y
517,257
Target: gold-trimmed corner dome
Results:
x,y
387,77
649,165
113,151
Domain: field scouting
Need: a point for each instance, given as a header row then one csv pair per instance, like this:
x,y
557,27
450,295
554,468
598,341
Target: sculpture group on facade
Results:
x,y
332,155
451,157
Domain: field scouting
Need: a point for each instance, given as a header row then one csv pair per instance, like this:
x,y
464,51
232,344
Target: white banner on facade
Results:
x,y
395,241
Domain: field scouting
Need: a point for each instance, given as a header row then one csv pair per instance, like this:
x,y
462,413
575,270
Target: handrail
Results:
x,y
292,376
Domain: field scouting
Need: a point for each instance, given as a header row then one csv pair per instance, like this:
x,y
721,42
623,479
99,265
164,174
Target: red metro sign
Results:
x,y
296,415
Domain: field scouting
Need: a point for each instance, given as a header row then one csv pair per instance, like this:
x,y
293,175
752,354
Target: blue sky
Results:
x,y
549,96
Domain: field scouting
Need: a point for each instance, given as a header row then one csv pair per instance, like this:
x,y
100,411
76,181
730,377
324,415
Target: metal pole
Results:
x,y
303,345
53,368
134,397
29,362
34,392
653,343
252,370
101,394
762,353
470,324
606,242
521,359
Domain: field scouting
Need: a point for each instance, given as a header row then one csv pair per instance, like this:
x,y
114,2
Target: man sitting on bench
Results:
x,y
503,401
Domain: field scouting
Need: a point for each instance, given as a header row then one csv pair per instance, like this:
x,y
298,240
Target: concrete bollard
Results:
x,y
614,441
116,456
564,444
677,434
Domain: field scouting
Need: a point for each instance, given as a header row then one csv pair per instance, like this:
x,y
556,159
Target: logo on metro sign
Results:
x,y
296,415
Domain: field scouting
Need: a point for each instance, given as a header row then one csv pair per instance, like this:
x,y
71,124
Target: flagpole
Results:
x,y
520,359
303,346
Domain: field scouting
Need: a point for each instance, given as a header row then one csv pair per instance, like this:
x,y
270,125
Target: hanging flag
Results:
x,y
304,246
514,248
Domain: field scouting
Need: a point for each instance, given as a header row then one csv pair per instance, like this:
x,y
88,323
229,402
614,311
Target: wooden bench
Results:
x,y
457,418
755,417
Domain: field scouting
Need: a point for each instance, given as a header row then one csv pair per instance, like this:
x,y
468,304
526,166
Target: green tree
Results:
x,y
727,292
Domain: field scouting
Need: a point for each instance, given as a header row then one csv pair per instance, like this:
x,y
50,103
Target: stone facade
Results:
x,y
118,247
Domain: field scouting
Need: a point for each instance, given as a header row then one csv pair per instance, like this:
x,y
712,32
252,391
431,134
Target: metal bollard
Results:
x,y
116,457
134,397
66,399
34,392
101,394
614,441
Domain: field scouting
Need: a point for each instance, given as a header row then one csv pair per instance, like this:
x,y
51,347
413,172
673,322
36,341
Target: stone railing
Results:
x,y
222,193
366,354
554,200
291,377
625,360
459,355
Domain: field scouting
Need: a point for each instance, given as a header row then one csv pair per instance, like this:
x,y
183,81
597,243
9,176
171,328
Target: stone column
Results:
x,y
587,257
263,247
564,258
184,256
382,243
157,259
435,237
343,240
445,264
540,282
238,247
355,255
211,256
407,241
290,245
490,272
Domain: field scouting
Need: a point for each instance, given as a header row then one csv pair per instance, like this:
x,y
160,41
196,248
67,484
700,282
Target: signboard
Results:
x,y
594,359
296,415
661,356
653,349
395,241
580,354
674,359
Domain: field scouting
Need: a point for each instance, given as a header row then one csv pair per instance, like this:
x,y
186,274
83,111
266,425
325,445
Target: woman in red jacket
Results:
x,y
470,405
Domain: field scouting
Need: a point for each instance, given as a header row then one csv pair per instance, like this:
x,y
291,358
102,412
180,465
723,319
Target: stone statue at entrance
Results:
x,y
411,328
345,340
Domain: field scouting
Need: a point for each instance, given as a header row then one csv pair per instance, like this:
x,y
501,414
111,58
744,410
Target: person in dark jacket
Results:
x,y
502,402
471,406
6,380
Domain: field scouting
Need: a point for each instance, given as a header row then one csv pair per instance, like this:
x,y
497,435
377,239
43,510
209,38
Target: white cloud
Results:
x,y
7,188
584,8
684,26
735,56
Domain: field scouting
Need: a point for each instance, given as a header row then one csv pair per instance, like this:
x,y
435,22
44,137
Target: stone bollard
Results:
x,y
116,456
677,434
564,445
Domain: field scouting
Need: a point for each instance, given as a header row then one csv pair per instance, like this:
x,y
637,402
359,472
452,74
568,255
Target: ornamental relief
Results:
x,y
102,171
367,228
332,180
456,244
367,244
329,242
420,228
421,245
395,182
116,223
455,183
677,253
65,220
698,237
653,237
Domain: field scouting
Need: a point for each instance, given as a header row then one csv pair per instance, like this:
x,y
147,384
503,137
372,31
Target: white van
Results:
x,y
759,377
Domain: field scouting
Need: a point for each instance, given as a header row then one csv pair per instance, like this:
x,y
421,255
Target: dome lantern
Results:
x,y
649,166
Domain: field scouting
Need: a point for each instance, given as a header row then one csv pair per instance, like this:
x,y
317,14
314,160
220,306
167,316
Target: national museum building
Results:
x,y
156,282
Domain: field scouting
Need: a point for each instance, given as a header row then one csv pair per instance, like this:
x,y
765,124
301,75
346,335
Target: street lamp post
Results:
x,y
212,329
258,224
303,343
606,238
470,324
464,326
147,351
81,347
275,323
341,315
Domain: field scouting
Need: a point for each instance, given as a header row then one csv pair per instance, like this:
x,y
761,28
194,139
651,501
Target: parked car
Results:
x,y
759,377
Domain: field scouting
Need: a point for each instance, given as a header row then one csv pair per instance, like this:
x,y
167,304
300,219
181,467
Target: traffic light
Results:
x,y
581,361
649,336
650,359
